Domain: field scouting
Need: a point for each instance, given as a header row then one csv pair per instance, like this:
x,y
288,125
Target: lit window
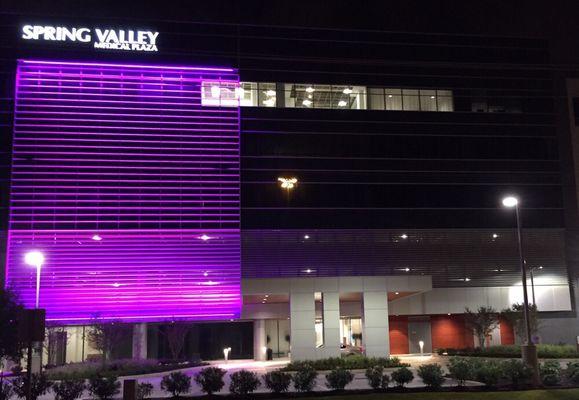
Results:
x,y
219,93
341,97
410,100
393,99
427,100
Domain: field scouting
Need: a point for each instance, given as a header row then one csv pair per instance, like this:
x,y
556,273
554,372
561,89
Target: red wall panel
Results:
x,y
450,331
398,335
507,332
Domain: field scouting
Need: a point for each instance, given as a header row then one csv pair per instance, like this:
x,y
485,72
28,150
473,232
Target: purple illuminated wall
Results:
x,y
130,189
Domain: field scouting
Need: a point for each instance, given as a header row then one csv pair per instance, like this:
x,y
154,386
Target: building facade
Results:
x,y
313,191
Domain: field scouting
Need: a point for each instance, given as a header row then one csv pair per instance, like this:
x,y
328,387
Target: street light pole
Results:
x,y
524,277
533,285
529,350
34,259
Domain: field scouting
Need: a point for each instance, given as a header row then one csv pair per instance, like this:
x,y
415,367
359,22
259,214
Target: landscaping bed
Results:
x,y
513,351
116,368
349,362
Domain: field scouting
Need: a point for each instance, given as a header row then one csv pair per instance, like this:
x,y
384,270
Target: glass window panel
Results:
x,y
393,99
267,95
248,94
290,95
376,99
349,97
444,100
215,93
427,100
410,100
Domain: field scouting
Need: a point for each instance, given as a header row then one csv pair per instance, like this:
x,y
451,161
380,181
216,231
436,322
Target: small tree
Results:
x,y
176,383
144,390
104,387
338,378
244,382
210,379
105,336
277,381
515,317
374,376
6,390
175,334
432,375
482,321
305,378
40,385
402,376
69,389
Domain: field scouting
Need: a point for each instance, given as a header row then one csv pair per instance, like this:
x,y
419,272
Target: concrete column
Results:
x,y
331,312
140,341
302,325
259,340
375,336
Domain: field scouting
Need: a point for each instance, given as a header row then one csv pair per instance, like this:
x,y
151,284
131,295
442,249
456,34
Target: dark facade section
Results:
x,y
458,257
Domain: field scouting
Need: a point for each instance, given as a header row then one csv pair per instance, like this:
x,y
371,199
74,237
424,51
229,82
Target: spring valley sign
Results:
x,y
108,39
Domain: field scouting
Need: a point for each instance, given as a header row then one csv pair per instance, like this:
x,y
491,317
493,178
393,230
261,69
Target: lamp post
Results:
x,y
35,259
529,350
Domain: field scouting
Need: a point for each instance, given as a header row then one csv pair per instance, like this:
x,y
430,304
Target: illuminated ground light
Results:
x,y
125,155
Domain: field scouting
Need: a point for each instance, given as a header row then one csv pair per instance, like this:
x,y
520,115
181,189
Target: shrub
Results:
x,y
104,387
489,373
514,351
350,362
144,390
88,369
516,371
385,381
69,389
573,371
338,378
305,378
461,369
431,375
40,385
210,379
277,381
6,390
402,376
244,382
176,383
550,372
374,376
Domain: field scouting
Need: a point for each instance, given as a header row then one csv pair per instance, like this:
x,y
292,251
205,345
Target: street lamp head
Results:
x,y
34,258
510,201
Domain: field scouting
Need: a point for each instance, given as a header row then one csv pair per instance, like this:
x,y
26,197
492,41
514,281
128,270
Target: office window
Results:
x,y
393,99
428,100
215,93
267,95
410,100
444,100
344,97
376,99
247,94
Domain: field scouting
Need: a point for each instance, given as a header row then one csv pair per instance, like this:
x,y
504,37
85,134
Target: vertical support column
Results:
x,y
375,321
302,325
259,340
140,341
331,311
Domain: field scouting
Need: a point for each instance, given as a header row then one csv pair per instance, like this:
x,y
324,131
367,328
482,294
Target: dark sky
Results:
x,y
555,20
